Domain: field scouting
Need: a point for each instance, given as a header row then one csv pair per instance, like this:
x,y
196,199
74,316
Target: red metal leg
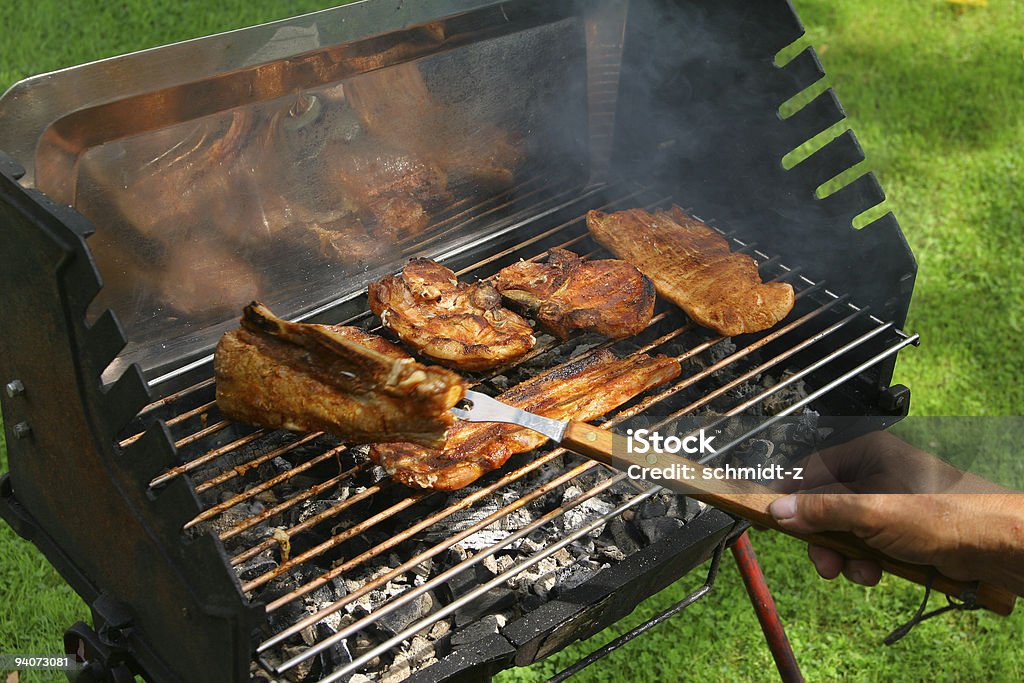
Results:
x,y
767,614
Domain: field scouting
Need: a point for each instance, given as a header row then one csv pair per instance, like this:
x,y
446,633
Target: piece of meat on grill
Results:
x,y
567,293
456,324
582,389
692,266
331,378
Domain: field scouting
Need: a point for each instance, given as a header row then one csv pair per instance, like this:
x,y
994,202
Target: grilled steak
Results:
x,y
456,324
692,266
609,297
330,378
582,389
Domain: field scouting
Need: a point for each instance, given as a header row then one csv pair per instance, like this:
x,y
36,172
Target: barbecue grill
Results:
x,y
290,556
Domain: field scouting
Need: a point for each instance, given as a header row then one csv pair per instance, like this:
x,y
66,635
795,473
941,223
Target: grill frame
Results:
x,y
189,591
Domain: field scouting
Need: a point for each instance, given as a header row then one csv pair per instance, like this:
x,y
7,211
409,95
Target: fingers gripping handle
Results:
x,y
751,500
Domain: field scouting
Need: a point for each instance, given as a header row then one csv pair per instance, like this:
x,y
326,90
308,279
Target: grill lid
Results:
x,y
296,161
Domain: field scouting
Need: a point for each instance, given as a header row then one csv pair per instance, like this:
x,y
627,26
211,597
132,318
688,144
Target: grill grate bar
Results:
x,y
290,563
181,417
476,215
263,486
239,470
202,433
480,590
434,550
434,582
206,457
312,521
171,398
842,379
294,500
775,360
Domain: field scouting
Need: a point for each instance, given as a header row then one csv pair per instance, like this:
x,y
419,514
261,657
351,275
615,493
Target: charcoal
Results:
x,y
543,585
319,596
302,670
422,571
440,629
612,552
583,514
399,670
483,539
583,549
657,529
459,584
420,653
377,473
257,566
530,545
500,382
530,602
496,564
623,539
478,630
573,576
714,354
684,508
757,452
286,615
653,508
399,619
785,397
337,654
494,600
281,465
311,508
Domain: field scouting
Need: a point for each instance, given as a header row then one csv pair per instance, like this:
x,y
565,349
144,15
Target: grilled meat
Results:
x,y
456,324
582,389
609,297
330,378
692,266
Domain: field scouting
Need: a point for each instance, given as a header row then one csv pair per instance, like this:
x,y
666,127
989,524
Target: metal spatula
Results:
x,y
746,499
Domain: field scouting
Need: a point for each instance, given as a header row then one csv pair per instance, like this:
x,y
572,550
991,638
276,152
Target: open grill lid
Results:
x,y
297,161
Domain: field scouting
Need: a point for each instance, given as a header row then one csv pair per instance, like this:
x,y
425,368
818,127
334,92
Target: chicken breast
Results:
x,y
456,324
567,293
331,378
691,265
582,390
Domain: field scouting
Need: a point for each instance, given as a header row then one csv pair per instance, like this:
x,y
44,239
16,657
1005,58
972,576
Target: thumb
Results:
x,y
815,512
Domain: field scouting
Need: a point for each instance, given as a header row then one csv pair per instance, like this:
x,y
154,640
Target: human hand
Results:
x,y
908,505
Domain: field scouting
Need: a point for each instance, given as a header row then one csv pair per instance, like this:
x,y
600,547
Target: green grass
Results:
x,y
936,97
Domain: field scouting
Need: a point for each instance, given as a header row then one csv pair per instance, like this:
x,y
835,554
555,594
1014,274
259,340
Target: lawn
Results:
x,y
935,93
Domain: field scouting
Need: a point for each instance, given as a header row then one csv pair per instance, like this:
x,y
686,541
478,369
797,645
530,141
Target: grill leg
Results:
x,y
767,614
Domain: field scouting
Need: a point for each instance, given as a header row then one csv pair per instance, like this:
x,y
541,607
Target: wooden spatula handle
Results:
x,y
750,500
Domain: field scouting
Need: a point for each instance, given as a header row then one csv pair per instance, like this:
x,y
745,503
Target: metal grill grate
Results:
x,y
823,328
